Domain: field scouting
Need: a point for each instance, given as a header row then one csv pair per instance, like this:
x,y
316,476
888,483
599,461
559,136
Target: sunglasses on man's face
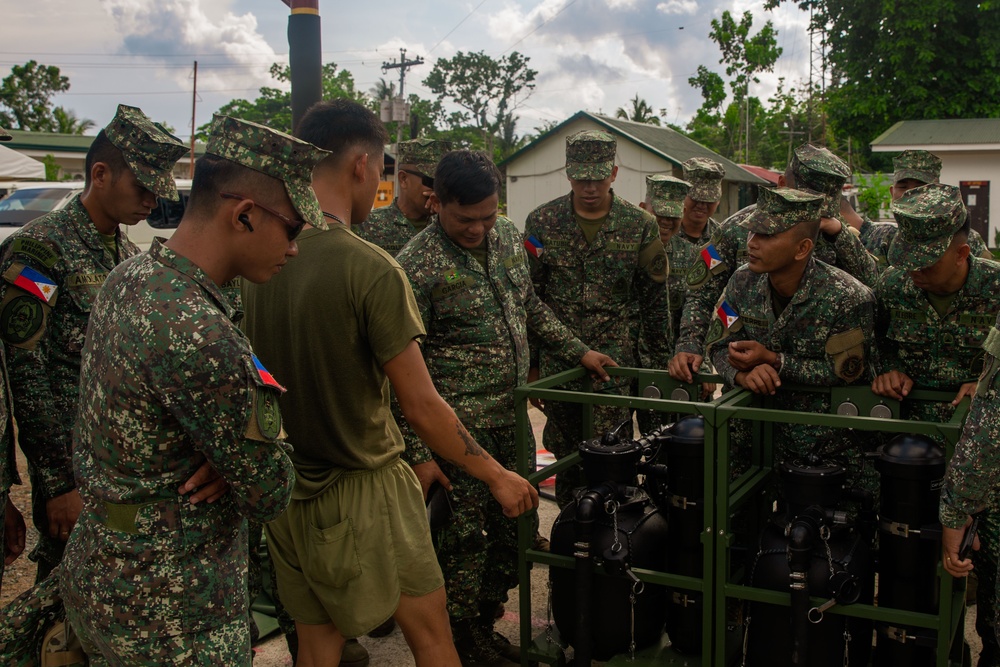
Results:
x,y
428,181
292,226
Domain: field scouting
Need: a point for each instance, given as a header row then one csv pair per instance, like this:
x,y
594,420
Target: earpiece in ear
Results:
x,y
245,220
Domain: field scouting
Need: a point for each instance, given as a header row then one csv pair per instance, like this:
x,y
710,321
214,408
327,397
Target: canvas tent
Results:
x,y
17,167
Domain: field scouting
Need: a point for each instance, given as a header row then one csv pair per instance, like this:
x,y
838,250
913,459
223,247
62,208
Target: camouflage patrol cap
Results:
x,y
705,177
424,154
275,154
780,209
927,217
148,149
666,195
590,155
816,168
918,165
4,135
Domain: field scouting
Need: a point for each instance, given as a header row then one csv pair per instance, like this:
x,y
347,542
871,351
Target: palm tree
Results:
x,y
68,123
641,112
383,90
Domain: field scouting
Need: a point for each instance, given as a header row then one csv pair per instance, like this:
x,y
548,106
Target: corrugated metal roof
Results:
x,y
937,132
55,141
665,142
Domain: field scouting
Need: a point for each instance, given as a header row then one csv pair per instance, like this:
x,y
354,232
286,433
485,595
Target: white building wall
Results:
x,y
959,166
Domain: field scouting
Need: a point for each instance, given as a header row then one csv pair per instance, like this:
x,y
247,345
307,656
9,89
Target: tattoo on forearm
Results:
x,y
472,448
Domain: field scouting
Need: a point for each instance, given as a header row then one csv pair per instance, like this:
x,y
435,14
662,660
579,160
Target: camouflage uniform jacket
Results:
x,y
66,248
682,253
478,319
8,466
593,287
974,471
387,228
825,334
878,236
936,352
167,383
705,285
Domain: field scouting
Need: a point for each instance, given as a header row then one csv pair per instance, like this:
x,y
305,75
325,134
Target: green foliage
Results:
x,y
273,107
67,122
52,168
640,112
893,61
25,97
489,91
874,194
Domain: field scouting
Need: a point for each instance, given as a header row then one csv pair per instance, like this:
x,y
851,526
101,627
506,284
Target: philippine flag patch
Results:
x,y
711,256
36,284
533,246
265,376
727,314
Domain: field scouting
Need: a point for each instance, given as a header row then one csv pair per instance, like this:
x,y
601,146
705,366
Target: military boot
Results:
x,y
354,655
475,647
487,628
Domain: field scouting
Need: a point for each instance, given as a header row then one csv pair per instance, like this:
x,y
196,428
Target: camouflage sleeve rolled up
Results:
x,y
543,325
888,350
974,471
725,332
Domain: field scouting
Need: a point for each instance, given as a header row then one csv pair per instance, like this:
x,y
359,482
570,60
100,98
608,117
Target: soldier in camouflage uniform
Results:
x,y
812,168
593,257
469,273
52,270
913,168
390,227
12,530
936,304
183,385
787,317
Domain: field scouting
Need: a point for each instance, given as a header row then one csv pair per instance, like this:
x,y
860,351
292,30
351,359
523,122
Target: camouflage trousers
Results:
x,y
477,547
261,578
986,562
48,552
564,432
227,644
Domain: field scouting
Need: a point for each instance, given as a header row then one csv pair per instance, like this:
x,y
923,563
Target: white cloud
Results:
x,y
678,7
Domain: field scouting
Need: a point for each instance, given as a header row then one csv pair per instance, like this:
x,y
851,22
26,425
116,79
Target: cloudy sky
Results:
x,y
590,54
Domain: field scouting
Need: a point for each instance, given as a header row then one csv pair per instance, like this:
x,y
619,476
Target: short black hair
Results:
x,y
336,125
963,232
467,177
808,229
102,150
214,175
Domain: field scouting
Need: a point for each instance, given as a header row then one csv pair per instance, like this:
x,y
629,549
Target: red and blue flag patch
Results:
x,y
727,314
265,375
35,284
534,246
710,256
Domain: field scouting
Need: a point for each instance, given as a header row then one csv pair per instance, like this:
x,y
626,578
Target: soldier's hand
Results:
x,y
745,355
894,384
830,226
514,494
14,533
595,362
967,389
427,474
707,390
951,539
63,512
684,365
209,483
762,379
532,377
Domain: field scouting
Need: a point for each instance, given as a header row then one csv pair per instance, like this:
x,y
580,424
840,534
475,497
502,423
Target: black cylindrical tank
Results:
x,y
812,488
642,530
911,468
685,450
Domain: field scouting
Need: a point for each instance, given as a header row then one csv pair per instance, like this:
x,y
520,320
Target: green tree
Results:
x,y
273,106
873,194
892,61
640,112
745,57
26,94
67,122
488,90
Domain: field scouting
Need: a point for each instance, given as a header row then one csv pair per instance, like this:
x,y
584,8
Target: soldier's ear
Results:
x,y
433,203
805,247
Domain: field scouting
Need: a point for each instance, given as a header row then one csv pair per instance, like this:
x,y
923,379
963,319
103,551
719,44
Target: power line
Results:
x,y
537,28
456,27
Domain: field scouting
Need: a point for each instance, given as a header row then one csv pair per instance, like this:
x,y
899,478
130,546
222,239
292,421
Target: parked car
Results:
x,y
30,200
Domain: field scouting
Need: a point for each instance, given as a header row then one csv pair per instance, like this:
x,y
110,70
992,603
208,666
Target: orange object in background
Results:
x,y
383,197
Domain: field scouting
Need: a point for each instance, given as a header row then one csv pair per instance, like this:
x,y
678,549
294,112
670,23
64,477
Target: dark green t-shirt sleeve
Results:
x,y
391,318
